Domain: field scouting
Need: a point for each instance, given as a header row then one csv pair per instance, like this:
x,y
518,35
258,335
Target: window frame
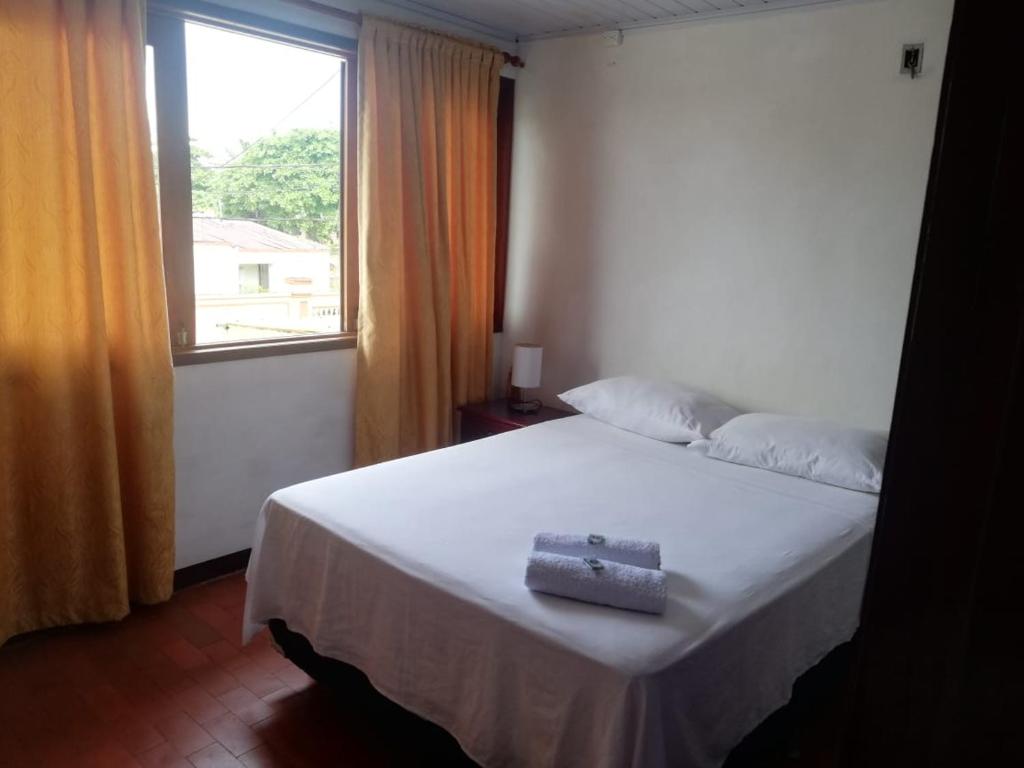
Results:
x,y
503,141
165,32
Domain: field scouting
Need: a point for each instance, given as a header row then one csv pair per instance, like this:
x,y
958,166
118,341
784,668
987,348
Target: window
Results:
x,y
252,133
254,278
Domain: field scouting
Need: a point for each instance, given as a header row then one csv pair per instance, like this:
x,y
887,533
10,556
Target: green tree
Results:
x,y
288,181
204,196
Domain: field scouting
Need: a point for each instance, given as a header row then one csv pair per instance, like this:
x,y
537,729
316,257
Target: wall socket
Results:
x,y
912,59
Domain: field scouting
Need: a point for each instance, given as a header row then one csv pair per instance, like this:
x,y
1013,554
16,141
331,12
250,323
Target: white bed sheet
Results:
x,y
413,570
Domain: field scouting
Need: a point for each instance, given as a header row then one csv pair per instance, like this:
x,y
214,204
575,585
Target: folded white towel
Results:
x,y
597,581
643,554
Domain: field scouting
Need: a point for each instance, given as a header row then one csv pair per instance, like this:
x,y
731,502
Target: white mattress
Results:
x,y
413,571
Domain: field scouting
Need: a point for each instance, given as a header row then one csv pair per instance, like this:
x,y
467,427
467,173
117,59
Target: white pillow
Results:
x,y
700,446
816,450
663,410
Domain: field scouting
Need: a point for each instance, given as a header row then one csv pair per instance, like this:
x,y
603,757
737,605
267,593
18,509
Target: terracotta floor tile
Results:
x,y
107,702
226,623
249,707
267,657
172,687
214,679
294,678
135,735
148,701
54,755
263,757
284,699
228,592
184,734
186,625
199,705
256,679
108,756
236,736
184,654
285,739
214,756
170,678
222,652
262,637
164,756
85,672
143,653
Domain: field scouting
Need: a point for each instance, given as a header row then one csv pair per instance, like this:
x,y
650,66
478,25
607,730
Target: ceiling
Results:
x,y
533,19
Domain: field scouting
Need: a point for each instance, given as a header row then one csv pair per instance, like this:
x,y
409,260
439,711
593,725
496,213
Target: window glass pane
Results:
x,y
151,115
265,144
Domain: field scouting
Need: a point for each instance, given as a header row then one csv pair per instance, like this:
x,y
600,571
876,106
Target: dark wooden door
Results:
x,y
938,674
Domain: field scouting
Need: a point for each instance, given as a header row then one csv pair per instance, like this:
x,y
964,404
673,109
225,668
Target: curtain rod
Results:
x,y
357,18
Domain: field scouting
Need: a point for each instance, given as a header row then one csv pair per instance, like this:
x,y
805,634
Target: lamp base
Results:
x,y
524,406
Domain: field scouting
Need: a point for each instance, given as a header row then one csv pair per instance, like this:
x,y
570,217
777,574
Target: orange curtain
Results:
x,y
427,190
86,462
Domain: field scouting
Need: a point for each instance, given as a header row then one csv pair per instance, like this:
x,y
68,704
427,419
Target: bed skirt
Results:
x,y
801,725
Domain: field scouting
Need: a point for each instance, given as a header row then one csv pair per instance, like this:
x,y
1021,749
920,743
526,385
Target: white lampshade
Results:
x,y
526,365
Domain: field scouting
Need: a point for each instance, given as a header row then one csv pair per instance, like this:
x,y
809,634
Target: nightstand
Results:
x,y
490,418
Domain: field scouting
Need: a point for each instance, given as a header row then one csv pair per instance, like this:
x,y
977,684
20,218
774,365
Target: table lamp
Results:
x,y
526,362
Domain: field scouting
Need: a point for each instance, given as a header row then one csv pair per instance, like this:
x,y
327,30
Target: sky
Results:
x,y
241,87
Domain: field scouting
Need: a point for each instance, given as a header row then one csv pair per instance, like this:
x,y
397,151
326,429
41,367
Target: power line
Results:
x,y
289,114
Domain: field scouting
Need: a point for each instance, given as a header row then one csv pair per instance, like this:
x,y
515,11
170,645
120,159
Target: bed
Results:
x,y
412,571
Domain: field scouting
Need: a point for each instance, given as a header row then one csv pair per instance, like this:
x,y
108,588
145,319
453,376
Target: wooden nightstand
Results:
x,y
490,418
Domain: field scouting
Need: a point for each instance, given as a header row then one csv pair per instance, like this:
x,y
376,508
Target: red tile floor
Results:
x,y
171,685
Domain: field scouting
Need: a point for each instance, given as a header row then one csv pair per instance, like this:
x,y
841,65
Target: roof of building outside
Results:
x,y
248,236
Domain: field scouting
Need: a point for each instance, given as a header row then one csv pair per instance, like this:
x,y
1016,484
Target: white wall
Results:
x,y
216,269
245,428
734,203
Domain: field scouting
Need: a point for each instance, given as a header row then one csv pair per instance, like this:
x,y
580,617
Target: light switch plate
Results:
x,y
912,59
